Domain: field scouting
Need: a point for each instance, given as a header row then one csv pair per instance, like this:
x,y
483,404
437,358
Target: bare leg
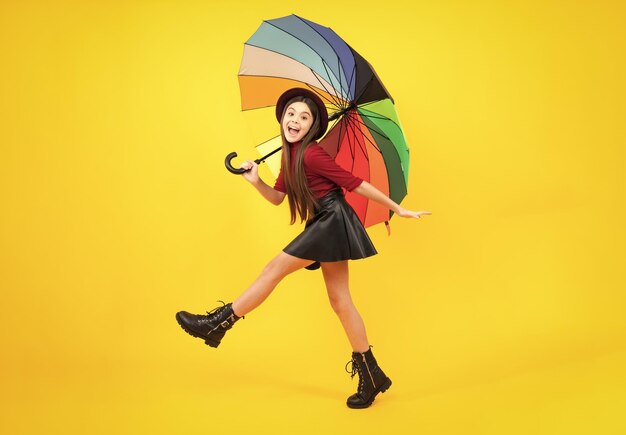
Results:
x,y
278,268
336,278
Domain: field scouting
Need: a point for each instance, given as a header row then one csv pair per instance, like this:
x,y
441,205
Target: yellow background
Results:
x,y
502,313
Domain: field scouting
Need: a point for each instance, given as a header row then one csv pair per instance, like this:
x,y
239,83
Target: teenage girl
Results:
x,y
312,182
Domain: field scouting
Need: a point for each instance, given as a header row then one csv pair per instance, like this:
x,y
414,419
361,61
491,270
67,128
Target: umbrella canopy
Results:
x,y
366,137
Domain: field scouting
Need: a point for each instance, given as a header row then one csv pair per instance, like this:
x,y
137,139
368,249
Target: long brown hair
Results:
x,y
301,199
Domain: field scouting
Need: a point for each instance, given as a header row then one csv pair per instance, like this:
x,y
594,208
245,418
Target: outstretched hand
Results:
x,y
403,212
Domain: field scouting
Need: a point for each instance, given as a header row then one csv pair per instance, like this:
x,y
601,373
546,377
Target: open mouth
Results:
x,y
293,131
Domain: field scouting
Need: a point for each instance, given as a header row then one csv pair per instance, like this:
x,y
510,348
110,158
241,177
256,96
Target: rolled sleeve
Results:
x,y
280,183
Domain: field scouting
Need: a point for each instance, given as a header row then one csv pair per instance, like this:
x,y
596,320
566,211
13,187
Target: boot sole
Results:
x,y
193,333
384,387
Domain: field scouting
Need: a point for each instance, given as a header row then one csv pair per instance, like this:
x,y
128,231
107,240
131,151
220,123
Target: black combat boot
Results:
x,y
210,327
372,380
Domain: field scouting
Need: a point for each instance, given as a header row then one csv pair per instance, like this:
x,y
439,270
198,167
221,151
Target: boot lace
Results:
x,y
214,311
356,368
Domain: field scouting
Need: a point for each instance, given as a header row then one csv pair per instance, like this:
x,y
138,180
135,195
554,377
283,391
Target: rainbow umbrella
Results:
x,y
366,137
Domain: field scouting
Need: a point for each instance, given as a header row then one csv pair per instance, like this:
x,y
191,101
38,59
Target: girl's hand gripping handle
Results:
x,y
230,167
250,171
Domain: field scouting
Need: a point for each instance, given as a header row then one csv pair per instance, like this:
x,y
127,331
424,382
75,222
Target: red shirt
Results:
x,y
323,174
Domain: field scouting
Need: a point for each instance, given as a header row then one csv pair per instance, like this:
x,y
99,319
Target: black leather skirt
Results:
x,y
334,233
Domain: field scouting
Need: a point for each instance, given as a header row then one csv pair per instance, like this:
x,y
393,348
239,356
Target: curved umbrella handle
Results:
x,y
241,171
230,167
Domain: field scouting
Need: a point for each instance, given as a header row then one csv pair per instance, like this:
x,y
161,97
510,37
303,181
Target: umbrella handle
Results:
x,y
230,167
240,170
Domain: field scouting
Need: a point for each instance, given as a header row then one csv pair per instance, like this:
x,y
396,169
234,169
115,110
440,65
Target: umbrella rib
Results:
x,y
335,103
374,144
371,102
352,76
313,50
372,129
360,142
384,118
350,146
324,64
352,149
355,129
367,85
353,162
349,141
332,48
341,126
347,97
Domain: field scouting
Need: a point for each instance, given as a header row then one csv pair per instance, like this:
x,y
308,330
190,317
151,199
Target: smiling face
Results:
x,y
297,121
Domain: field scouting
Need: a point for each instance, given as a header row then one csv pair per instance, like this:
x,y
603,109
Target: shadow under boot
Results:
x,y
211,326
372,380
